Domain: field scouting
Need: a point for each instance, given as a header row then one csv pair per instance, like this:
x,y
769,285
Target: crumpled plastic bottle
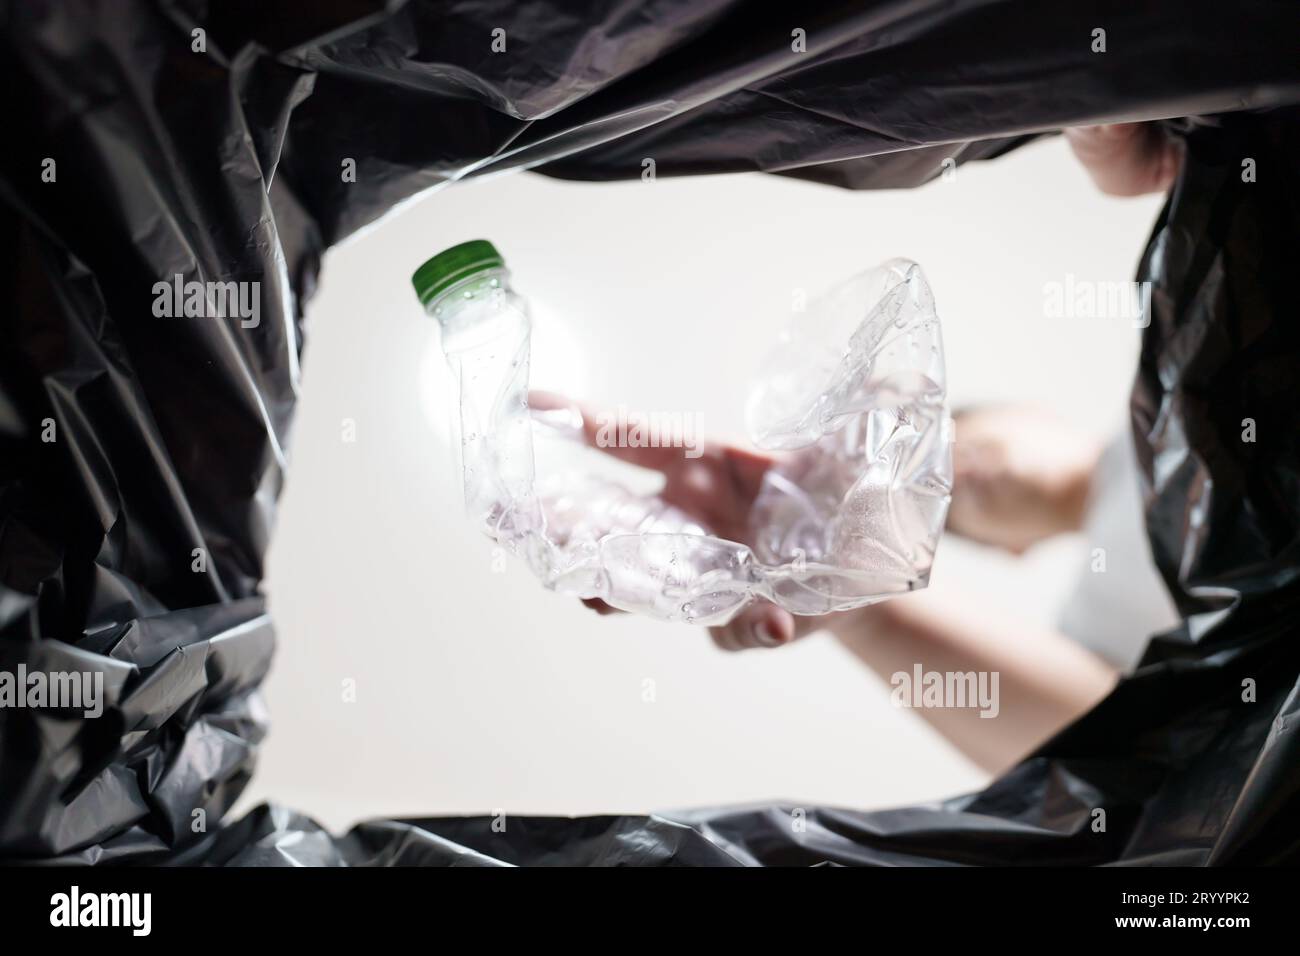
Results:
x,y
852,397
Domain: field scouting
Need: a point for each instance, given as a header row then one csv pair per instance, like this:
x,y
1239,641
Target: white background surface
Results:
x,y
478,691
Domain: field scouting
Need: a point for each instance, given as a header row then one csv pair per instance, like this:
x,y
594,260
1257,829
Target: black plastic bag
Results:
x,y
140,457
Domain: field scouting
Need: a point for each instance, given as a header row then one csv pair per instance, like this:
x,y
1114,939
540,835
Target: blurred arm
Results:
x,y
1045,680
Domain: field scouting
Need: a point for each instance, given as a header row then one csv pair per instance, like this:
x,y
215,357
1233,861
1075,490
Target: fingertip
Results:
x,y
723,638
778,625
599,606
762,635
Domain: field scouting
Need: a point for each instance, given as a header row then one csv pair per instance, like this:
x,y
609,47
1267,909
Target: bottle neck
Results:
x,y
475,290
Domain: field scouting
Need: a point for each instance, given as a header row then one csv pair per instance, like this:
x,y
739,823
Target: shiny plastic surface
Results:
x,y
851,514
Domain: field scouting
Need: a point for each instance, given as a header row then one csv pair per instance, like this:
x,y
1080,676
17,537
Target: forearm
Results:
x,y
1044,680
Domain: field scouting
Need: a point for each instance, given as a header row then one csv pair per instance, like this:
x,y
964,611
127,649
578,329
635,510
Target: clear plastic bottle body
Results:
x,y
485,336
853,401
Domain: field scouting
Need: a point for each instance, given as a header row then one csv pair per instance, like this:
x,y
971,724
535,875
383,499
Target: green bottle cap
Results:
x,y
452,265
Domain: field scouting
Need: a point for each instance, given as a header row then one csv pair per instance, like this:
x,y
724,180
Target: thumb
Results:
x,y
762,624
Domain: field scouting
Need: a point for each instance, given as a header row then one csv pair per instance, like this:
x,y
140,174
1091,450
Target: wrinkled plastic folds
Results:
x,y
222,163
854,392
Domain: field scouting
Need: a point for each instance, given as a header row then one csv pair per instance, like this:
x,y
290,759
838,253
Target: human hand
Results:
x,y
1127,159
716,489
1019,475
